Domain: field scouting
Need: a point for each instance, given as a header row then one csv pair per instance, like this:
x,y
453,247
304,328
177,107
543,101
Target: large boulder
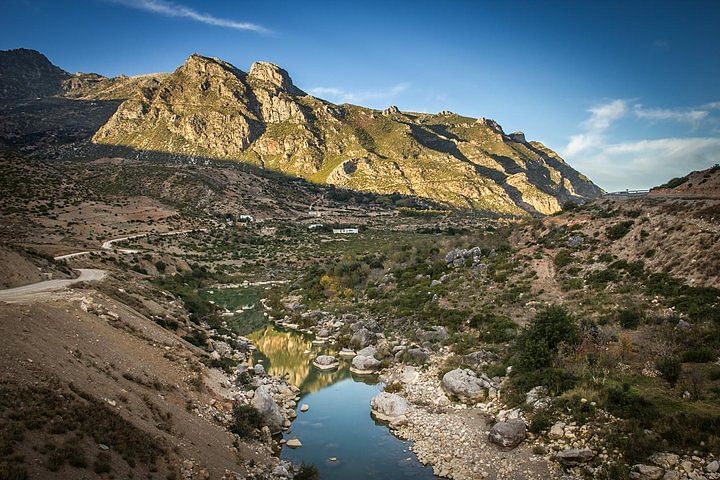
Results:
x,y
572,457
363,365
415,356
367,352
646,472
326,362
508,434
388,406
265,404
436,334
466,385
362,338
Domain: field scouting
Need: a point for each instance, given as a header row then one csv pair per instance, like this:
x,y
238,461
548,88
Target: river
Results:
x,y
338,434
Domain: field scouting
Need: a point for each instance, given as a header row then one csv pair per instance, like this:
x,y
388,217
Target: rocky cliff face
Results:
x,y
208,108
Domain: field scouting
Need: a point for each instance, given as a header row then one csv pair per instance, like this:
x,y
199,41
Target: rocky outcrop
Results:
x,y
508,434
466,385
264,403
388,406
326,362
209,108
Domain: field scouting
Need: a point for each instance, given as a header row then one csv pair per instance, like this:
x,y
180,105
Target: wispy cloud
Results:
x,y
684,115
643,163
340,95
170,9
601,117
647,163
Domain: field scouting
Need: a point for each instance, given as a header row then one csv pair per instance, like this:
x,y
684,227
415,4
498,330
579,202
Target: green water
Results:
x,y
338,425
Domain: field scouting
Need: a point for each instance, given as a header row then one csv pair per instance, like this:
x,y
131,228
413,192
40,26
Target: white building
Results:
x,y
345,230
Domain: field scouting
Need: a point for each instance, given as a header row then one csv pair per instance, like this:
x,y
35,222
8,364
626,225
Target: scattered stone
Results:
x,y
465,385
572,457
362,365
665,460
646,472
259,369
347,353
304,407
268,408
557,431
294,443
326,362
362,338
508,434
388,406
712,467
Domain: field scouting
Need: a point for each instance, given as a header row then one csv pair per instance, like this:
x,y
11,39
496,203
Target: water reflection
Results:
x,y
290,353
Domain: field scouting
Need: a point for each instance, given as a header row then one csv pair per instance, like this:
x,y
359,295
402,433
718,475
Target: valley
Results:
x,y
210,274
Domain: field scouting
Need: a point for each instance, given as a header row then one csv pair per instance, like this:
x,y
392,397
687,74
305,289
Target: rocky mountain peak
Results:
x,y
198,65
272,74
26,73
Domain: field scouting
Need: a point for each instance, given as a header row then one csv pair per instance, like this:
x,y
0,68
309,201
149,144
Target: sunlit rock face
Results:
x,y
209,108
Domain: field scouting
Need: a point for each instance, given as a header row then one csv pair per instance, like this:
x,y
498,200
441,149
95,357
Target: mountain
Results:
x,y
209,109
28,74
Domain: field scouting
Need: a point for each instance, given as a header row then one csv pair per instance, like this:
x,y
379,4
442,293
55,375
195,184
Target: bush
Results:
x,y
307,472
563,258
619,230
538,343
494,328
540,422
246,419
699,355
670,368
629,318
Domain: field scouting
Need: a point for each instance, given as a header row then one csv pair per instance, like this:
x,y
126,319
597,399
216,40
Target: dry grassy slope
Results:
x,y
208,108
60,207
139,373
699,184
677,236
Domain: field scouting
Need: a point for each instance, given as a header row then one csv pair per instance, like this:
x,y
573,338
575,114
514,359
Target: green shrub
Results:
x,y
563,258
494,328
538,343
670,368
246,419
307,472
540,422
699,355
629,318
619,230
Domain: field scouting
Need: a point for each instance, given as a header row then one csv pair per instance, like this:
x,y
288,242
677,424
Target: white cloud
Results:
x,y
647,163
340,95
601,117
642,163
689,116
170,9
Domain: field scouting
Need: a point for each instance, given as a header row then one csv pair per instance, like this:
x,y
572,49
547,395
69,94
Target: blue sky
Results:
x,y
628,92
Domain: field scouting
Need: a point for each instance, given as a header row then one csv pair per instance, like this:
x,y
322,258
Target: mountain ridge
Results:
x,y
208,108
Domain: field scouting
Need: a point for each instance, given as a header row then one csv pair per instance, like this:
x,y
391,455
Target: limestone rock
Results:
x,y
265,404
466,385
508,434
387,406
646,472
575,456
326,362
363,365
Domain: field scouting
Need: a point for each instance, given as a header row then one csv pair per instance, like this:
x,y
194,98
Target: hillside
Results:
x,y
209,109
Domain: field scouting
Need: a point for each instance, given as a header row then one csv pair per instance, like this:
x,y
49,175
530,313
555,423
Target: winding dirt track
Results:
x,y
39,290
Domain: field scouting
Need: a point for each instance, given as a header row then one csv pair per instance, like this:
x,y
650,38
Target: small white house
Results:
x,y
345,230
246,218
315,225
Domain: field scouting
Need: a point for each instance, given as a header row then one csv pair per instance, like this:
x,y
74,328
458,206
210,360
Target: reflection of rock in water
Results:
x,y
285,353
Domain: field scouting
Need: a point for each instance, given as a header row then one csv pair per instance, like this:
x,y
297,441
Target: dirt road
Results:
x,y
40,290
